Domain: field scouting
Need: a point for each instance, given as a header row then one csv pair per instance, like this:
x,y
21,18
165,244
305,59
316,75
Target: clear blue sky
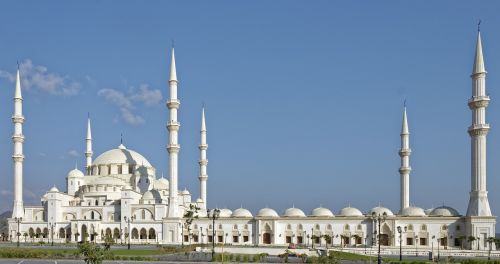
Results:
x,y
303,98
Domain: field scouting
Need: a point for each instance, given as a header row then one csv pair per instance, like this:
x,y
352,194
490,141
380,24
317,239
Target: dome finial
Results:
x,y
479,26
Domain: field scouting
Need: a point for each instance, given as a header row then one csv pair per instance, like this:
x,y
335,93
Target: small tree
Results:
x,y
92,253
25,236
328,240
461,240
108,242
471,240
190,215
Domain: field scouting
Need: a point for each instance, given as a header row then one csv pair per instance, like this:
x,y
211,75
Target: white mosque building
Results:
x,y
119,195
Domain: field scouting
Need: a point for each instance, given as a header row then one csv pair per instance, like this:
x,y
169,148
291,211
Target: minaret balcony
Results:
x,y
203,162
18,138
18,119
173,125
478,129
404,152
478,102
203,146
173,148
405,170
173,103
18,157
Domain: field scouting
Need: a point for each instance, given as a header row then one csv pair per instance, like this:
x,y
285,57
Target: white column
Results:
x,y
405,169
173,145
478,202
88,152
18,157
203,160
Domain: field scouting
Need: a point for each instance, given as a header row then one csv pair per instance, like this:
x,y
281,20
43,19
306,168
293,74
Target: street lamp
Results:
x,y
439,239
432,247
379,219
416,246
128,220
52,232
213,214
18,221
400,231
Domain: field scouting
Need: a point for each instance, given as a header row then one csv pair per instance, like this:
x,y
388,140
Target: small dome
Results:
x,y
121,155
76,173
428,211
241,212
294,212
199,200
201,213
380,211
161,184
54,189
267,212
320,211
163,180
225,213
185,192
151,195
350,211
412,211
148,196
444,211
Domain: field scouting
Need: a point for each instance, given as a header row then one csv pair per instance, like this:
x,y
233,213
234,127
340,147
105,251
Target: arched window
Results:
x,y
410,227
299,227
135,233
96,202
209,226
246,227
457,228
235,227
143,214
423,228
152,234
329,227
346,227
359,227
220,226
92,215
444,227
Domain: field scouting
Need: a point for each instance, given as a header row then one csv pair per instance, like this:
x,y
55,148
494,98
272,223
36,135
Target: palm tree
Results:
x,y
461,239
471,240
328,240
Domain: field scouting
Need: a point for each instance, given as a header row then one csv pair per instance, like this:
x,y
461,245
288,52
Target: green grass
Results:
x,y
136,252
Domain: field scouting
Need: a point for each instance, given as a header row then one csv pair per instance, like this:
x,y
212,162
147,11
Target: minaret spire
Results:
x,y
18,157
478,201
203,159
405,169
173,145
88,143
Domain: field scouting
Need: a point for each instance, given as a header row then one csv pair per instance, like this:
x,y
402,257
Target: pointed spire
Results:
x,y
478,59
203,126
404,128
89,130
18,85
173,70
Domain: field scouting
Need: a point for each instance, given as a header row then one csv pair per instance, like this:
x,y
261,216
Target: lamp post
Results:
x,y
416,246
366,238
400,231
52,233
379,219
201,235
18,221
438,247
128,220
432,247
312,238
213,214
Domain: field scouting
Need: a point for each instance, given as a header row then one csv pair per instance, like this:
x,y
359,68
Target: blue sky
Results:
x,y
303,98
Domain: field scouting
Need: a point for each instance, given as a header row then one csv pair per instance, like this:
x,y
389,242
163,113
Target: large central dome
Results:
x,y
121,155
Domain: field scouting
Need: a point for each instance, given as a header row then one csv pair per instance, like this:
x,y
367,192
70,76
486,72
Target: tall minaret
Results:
x,y
478,202
88,152
173,144
18,157
405,168
203,159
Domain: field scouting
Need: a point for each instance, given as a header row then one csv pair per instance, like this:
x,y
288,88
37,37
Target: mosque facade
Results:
x,y
119,195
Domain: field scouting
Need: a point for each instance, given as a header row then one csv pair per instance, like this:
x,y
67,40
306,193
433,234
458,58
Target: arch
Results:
x,y
135,233
246,227
108,232
45,232
152,234
220,226
92,214
329,227
144,233
31,232
235,227
423,227
300,227
62,233
84,234
346,227
38,232
410,227
444,227
68,233
289,227
116,233
143,214
359,227
316,227
267,228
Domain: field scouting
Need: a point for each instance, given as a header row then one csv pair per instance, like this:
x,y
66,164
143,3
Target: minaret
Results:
x,y
18,157
173,144
88,152
405,168
478,202
203,159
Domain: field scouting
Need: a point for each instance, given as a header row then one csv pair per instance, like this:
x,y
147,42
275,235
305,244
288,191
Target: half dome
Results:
x,y
320,211
379,210
444,211
267,212
241,212
350,211
412,211
121,155
294,212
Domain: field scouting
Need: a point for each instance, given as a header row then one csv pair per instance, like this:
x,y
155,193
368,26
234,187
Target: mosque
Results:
x,y
119,195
